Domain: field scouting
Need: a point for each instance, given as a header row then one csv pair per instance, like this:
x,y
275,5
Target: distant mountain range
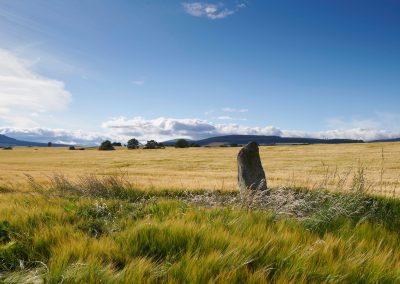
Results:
x,y
262,140
6,141
388,140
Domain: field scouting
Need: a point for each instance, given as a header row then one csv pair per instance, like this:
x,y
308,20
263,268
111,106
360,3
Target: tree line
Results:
x,y
151,144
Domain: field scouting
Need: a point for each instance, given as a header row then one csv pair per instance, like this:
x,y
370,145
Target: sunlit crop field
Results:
x,y
311,166
90,226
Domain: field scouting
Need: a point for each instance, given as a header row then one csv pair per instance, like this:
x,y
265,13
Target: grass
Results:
x,y
310,166
104,230
85,225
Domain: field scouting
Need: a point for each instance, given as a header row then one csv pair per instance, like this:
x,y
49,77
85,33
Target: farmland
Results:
x,y
311,166
174,216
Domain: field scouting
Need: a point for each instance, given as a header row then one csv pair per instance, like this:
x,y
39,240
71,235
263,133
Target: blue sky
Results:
x,y
80,71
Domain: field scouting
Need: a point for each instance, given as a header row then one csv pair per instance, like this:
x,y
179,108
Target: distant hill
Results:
x,y
263,140
387,140
6,141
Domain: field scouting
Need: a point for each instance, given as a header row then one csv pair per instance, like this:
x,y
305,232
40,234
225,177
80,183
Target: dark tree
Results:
x,y
116,144
182,143
106,146
152,144
49,144
133,144
72,147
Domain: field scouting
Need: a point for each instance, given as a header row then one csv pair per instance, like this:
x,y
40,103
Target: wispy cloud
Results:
x,y
378,120
23,92
20,21
210,11
351,124
138,82
228,117
225,117
228,109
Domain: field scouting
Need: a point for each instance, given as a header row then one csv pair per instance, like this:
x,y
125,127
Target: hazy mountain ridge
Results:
x,y
263,140
388,140
6,141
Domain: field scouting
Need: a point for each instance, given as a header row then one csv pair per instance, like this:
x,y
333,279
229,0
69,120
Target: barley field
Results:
x,y
175,216
331,167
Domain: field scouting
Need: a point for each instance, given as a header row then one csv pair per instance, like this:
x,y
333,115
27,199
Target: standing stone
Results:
x,y
251,175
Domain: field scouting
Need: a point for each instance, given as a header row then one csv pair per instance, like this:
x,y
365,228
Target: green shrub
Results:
x,y
152,144
182,143
133,144
106,146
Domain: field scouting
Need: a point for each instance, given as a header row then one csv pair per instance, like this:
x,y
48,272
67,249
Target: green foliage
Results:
x,y
152,144
106,146
182,143
133,144
49,144
71,148
4,232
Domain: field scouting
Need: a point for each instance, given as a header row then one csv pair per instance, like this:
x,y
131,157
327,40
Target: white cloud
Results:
x,y
225,117
358,133
159,128
228,109
210,11
169,128
23,92
62,136
121,129
379,120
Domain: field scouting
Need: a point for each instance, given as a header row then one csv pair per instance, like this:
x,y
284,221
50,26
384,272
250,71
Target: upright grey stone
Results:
x,y
251,174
